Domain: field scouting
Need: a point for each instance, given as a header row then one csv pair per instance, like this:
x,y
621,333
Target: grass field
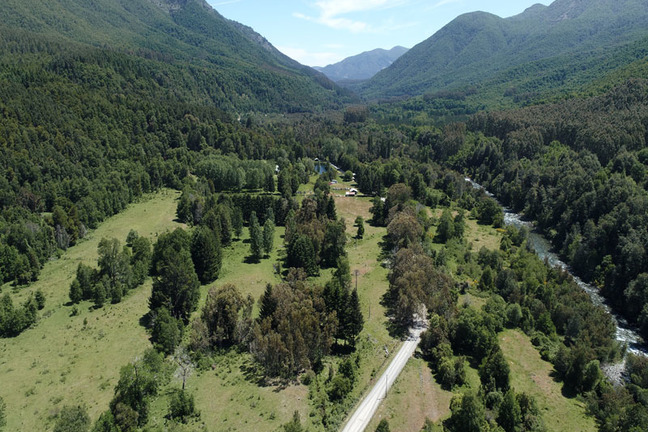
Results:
x,y
249,278
414,397
76,359
376,346
531,374
228,399
72,360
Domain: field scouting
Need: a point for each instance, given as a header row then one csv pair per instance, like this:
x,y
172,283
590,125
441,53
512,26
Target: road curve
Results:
x,y
367,408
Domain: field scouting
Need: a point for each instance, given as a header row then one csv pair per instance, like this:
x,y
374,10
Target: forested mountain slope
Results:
x,y
103,101
526,57
187,46
362,66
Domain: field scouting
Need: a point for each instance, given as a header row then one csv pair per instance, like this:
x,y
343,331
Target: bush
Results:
x,y
340,387
383,426
182,407
308,378
72,419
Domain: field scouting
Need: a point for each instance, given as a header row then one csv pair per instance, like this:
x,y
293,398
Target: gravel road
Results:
x,y
367,408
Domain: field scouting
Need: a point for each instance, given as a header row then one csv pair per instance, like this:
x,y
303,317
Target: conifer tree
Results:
x,y
237,221
268,235
377,210
291,227
206,254
334,242
301,254
509,416
330,209
176,287
224,218
445,230
354,319
459,225
267,303
342,273
359,222
494,371
256,237
166,333
141,259
86,277
270,215
99,295
76,295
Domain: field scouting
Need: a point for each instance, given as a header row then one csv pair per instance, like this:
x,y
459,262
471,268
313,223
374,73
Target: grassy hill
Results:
x,y
529,57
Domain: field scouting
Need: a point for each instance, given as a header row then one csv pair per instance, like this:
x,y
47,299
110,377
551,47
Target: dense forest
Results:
x,y
578,169
545,52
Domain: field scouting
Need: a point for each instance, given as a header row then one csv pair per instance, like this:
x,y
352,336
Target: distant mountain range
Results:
x,y
546,49
362,66
211,59
186,51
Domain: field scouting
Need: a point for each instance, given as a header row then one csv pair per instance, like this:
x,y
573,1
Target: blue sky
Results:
x,y
321,32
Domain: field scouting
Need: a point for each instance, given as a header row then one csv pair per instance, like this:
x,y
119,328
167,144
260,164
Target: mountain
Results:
x,y
544,50
362,66
216,60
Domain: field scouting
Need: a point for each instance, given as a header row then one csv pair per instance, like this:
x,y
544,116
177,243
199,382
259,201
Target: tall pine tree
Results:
x,y
206,254
268,235
176,287
256,237
267,303
354,321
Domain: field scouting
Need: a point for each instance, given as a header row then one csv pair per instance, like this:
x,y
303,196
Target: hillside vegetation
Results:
x,y
529,57
185,45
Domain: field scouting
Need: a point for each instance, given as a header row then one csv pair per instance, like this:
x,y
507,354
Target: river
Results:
x,y
624,332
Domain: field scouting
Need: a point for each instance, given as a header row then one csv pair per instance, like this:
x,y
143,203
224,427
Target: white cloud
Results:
x,y
332,13
311,58
445,2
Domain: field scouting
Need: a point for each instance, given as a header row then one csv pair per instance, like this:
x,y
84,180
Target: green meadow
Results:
x,y
66,359
75,359
71,359
532,375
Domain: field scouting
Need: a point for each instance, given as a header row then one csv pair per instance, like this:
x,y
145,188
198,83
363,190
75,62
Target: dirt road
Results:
x,y
367,408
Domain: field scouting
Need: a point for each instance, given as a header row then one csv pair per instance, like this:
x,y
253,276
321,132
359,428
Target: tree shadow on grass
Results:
x,y
251,260
253,373
567,390
396,330
342,350
386,247
145,320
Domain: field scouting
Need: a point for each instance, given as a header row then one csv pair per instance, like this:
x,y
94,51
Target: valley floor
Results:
x,y
70,359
